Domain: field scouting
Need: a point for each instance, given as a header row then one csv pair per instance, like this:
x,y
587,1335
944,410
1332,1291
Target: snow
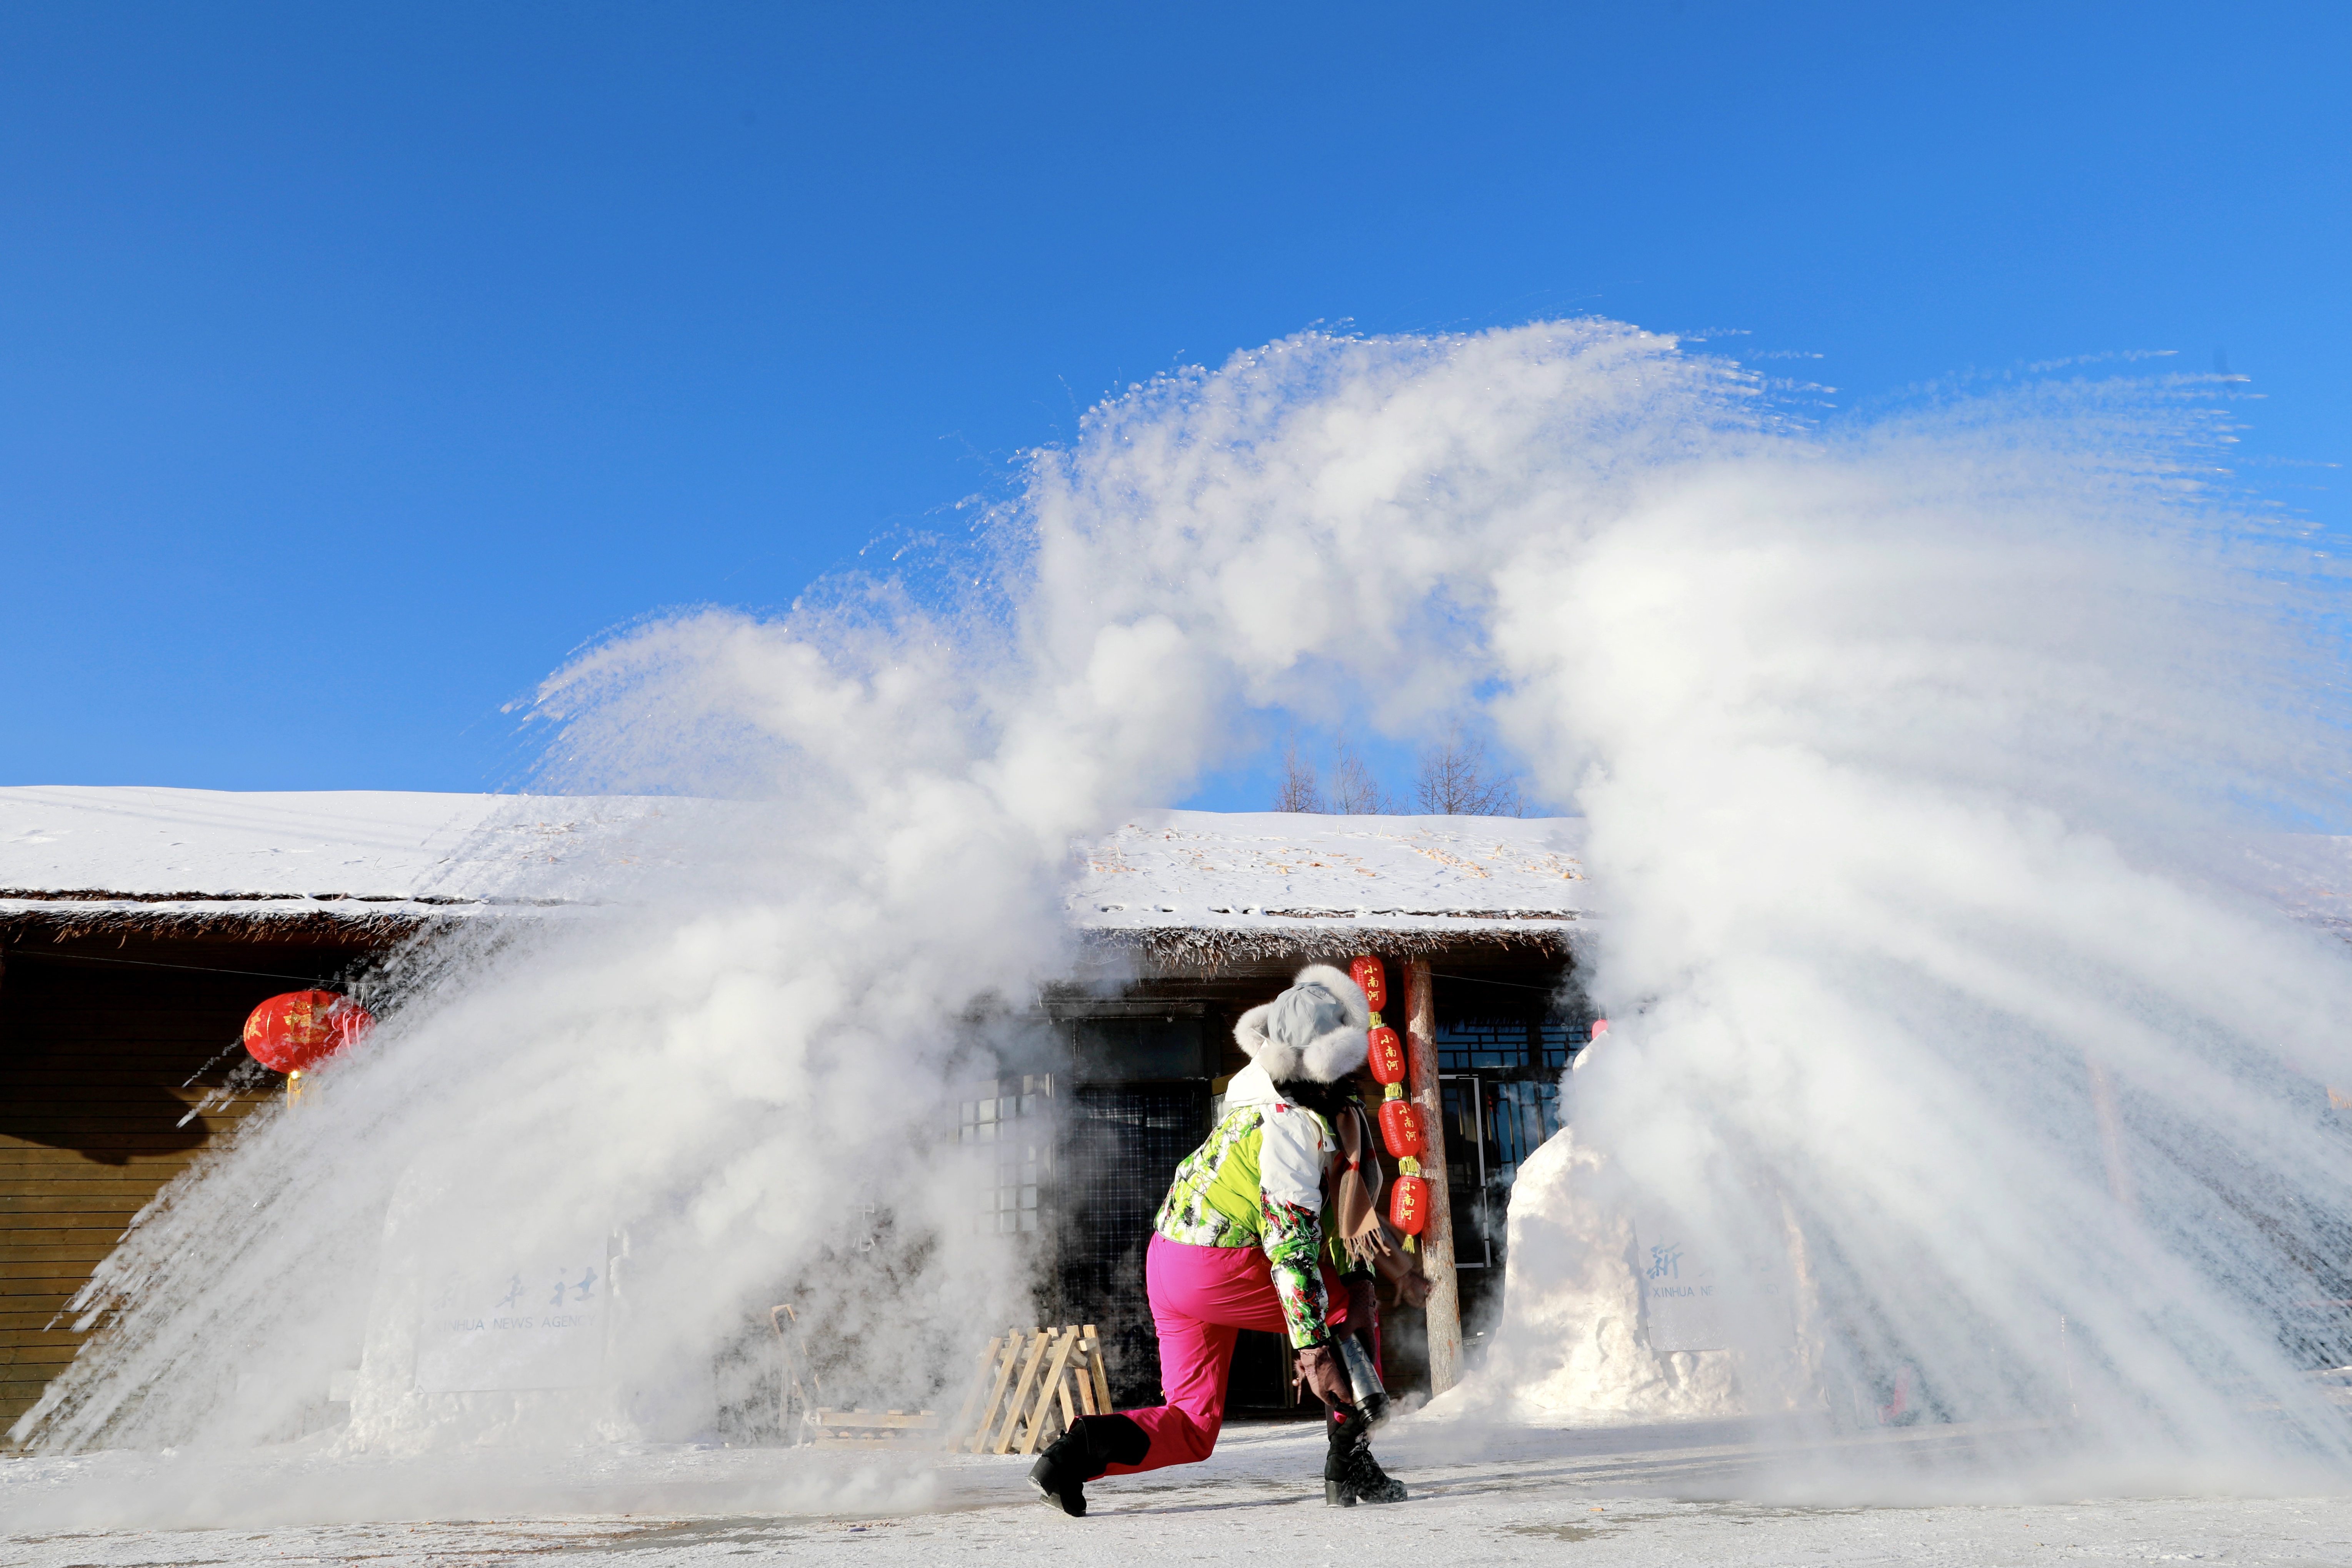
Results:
x,y
1702,1492
1579,1336
166,851
2308,875
1260,870
362,852
159,841
157,850
1633,1489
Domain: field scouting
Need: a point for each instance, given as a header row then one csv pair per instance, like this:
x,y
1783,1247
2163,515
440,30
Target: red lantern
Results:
x,y
1401,1128
1599,1027
1366,972
292,1032
1387,1055
1408,1203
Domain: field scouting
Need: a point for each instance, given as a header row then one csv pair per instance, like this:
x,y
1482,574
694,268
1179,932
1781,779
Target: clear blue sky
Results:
x,y
358,361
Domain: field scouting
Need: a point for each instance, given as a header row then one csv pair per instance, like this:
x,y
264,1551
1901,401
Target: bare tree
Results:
x,y
1300,790
1457,779
1354,791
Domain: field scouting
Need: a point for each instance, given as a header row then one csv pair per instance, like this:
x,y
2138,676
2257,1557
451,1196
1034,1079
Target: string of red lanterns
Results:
x,y
1400,1119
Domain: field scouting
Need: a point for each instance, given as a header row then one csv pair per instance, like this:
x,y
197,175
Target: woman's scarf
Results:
x,y
1355,1194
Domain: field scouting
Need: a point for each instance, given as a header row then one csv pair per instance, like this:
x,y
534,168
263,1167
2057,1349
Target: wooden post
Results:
x,y
1444,1309
1101,1377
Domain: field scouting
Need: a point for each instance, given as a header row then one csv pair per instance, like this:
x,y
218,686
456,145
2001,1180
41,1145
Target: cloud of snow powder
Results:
x,y
1915,755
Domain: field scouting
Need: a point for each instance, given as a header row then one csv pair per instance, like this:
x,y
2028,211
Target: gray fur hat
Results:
x,y
1316,1031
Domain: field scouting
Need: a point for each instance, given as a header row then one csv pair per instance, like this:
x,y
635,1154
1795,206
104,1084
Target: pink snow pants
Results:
x,y
1200,1297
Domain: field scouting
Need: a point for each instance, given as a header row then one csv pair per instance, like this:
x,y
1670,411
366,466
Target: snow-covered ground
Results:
x,y
1660,1494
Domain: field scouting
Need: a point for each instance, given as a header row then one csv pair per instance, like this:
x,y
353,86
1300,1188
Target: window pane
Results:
x,y
1465,1182
1525,1114
1008,1201
1493,1042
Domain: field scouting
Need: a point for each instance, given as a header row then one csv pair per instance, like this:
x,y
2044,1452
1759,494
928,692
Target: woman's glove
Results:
x,y
1364,1306
1320,1375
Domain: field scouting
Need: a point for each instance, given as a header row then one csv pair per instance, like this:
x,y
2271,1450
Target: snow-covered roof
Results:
x,y
88,856
1213,884
1187,887
1183,883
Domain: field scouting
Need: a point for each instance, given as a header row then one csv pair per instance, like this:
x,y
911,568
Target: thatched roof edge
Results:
x,y
1205,947
1210,948
64,921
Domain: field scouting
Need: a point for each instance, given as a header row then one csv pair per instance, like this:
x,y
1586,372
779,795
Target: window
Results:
x,y
1499,1076
1140,1049
1467,1043
1012,1121
1125,1142
1482,1043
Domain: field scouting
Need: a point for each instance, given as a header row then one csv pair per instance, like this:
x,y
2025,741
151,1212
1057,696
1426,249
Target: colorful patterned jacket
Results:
x,y
1258,1182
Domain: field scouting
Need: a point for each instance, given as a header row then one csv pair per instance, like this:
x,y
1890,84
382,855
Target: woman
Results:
x,y
1246,1240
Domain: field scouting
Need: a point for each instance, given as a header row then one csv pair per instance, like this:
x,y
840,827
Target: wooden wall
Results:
x,y
99,1038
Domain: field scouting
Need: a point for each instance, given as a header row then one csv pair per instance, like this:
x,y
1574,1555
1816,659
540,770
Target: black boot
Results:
x,y
1083,1453
1351,1474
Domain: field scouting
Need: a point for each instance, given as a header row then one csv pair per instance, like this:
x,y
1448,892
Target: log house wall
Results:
x,y
94,1062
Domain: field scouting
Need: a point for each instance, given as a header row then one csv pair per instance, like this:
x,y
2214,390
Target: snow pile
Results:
x,y
1576,1344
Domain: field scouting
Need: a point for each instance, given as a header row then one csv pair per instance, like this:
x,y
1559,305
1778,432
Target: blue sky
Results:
x,y
357,362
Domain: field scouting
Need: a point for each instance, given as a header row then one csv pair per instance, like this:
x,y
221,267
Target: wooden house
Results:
x,y
1202,915
139,926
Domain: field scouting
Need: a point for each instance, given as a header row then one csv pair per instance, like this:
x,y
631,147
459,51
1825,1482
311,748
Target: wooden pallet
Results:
x,y
803,1418
1027,1388
871,1428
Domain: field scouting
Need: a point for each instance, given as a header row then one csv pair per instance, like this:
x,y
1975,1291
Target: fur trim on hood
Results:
x,y
1314,1031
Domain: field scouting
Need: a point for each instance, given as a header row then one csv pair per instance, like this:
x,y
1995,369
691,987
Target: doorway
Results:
x,y
1498,1072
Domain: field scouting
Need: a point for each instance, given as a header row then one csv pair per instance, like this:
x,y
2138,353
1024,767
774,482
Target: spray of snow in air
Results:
x,y
1919,759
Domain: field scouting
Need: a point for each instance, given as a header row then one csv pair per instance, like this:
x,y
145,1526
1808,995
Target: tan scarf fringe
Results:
x,y
1357,1221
